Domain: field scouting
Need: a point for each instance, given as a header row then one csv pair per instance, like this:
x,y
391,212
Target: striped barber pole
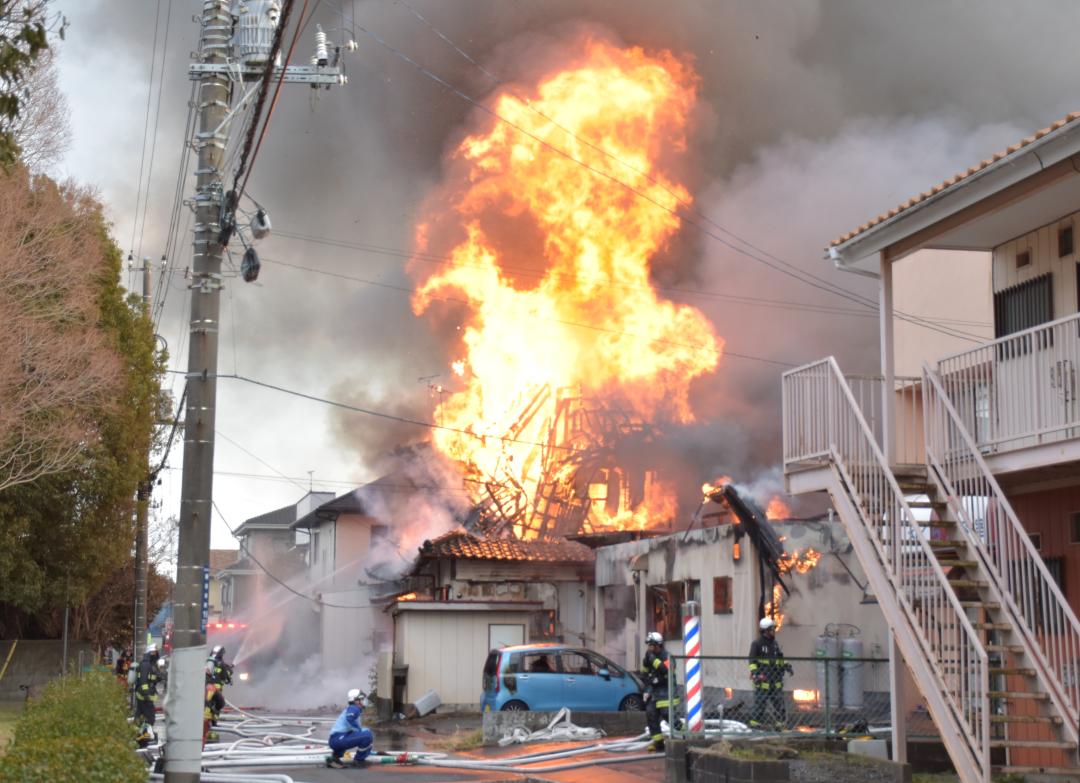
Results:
x,y
695,718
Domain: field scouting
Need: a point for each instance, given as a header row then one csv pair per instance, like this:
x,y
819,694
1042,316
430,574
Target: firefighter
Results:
x,y
211,693
218,675
767,669
655,669
348,733
146,688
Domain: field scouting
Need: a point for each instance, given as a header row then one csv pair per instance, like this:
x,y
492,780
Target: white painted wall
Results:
x,y
445,650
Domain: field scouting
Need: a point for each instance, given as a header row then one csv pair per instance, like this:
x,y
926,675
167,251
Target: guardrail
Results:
x,y
1019,390
825,696
1024,582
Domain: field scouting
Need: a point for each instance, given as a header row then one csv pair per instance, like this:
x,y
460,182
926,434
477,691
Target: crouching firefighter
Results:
x,y
147,677
767,669
348,733
658,699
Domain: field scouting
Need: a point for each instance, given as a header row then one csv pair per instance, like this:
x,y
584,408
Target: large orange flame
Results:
x,y
586,321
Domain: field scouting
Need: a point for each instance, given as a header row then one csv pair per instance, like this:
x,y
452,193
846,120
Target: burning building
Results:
x,y
538,248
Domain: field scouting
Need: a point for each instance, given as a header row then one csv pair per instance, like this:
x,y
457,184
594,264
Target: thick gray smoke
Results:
x,y
814,117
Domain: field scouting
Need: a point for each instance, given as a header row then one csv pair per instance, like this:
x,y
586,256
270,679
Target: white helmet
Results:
x,y
354,694
151,648
653,637
218,651
766,623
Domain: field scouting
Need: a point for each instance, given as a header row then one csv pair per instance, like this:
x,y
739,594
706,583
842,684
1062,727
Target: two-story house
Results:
x,y
980,601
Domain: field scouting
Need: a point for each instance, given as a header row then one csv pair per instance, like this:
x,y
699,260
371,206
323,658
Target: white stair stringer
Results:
x,y
1039,616
970,757
825,428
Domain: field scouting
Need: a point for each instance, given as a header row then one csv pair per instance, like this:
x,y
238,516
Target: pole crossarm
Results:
x,y
301,74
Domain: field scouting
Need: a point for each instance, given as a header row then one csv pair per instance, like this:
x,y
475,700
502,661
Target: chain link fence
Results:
x,y
827,696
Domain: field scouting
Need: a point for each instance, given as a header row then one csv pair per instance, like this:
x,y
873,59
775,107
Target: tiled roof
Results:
x,y
465,546
957,178
220,558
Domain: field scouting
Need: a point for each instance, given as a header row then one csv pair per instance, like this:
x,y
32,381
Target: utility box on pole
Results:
x,y
238,49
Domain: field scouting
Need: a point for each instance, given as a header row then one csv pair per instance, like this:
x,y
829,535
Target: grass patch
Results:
x,y
9,714
459,740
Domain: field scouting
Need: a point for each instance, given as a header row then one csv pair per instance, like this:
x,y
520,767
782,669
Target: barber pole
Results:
x,y
695,718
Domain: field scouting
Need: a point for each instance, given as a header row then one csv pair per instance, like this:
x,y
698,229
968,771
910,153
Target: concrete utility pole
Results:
x,y
142,513
234,51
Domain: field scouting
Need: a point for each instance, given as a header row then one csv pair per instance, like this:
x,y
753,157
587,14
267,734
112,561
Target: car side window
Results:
x,y
537,663
576,663
600,662
513,666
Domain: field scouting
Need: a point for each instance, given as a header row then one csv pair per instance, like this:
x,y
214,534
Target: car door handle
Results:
x,y
570,679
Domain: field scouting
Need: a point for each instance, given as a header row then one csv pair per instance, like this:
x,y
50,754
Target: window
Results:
x,y
535,663
576,663
1056,567
1023,259
1065,241
693,591
1036,540
542,625
1074,527
666,603
600,662
1024,305
721,595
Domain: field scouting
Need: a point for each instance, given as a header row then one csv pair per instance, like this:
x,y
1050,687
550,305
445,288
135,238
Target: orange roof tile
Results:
x,y
956,178
220,558
465,546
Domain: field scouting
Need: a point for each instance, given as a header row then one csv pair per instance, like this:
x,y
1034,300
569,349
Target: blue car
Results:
x,y
547,677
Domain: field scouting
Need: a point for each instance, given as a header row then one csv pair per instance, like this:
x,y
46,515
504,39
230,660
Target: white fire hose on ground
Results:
x,y
263,743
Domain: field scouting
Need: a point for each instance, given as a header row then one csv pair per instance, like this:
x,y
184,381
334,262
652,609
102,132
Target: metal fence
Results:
x,y
826,696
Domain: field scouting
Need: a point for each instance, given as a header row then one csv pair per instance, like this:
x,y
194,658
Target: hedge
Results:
x,y
76,731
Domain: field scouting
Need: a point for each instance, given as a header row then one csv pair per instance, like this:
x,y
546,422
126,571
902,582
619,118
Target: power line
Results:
x,y
146,126
256,457
564,322
272,575
157,115
752,301
779,266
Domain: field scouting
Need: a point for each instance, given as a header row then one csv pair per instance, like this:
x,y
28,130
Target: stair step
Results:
x,y
946,543
1033,695
942,523
1045,744
992,626
935,504
1069,773
1018,649
958,563
1022,671
1053,719
992,606
958,582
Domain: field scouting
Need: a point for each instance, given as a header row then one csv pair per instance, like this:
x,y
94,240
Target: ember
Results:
x,y
407,597
562,365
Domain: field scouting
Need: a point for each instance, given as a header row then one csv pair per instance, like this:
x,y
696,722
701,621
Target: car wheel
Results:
x,y
632,703
515,705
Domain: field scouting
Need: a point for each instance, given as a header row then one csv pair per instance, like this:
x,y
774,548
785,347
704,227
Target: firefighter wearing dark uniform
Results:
x,y
767,669
654,669
147,678
218,675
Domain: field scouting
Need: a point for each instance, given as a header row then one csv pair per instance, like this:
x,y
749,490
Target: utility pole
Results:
x,y
142,513
234,52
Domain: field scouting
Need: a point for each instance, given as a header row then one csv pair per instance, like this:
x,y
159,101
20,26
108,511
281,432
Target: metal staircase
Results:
x,y
989,639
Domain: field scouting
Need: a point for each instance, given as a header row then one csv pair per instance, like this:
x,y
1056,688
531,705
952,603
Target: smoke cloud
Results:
x,y
813,117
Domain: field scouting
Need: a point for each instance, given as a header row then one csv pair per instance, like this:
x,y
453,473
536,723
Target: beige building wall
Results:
x,y
445,649
1042,244
952,287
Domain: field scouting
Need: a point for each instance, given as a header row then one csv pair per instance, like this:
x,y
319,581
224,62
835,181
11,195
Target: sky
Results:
x,y
812,118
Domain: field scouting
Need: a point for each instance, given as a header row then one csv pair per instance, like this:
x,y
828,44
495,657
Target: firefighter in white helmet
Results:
x,y
348,733
767,669
658,697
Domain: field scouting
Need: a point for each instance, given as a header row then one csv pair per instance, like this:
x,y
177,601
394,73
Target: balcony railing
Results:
x,y
1019,390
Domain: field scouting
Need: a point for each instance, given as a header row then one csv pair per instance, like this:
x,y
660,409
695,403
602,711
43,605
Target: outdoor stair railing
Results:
x,y
823,423
1040,612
